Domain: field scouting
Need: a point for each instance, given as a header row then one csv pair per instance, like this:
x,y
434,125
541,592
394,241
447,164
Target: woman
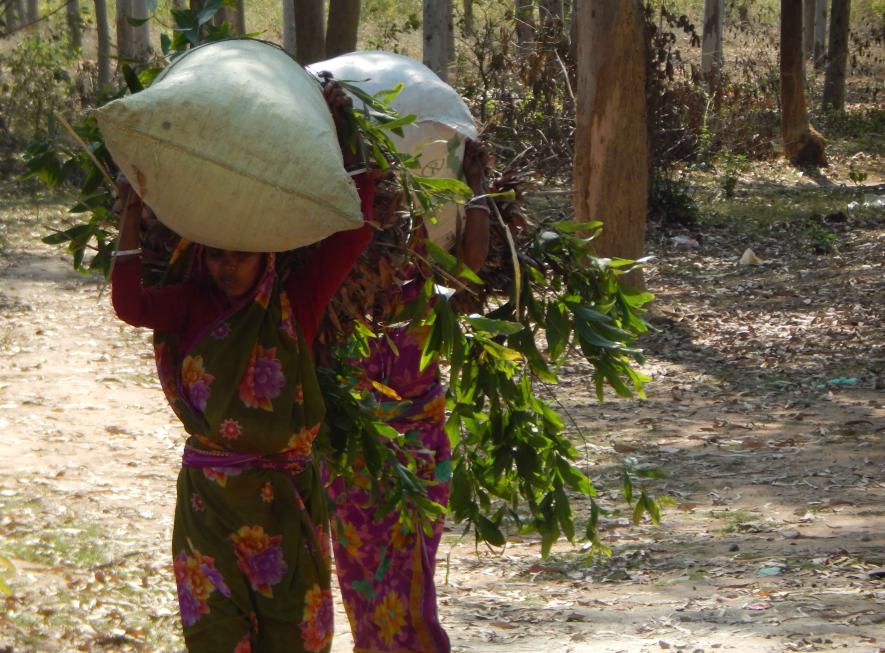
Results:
x,y
385,570
232,340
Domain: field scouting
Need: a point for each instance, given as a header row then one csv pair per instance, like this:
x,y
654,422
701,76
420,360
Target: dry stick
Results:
x,y
514,257
111,183
85,147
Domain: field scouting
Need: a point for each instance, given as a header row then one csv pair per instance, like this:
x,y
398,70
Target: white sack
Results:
x,y
443,120
233,146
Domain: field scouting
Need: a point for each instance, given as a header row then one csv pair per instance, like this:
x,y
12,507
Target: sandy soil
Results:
x,y
767,412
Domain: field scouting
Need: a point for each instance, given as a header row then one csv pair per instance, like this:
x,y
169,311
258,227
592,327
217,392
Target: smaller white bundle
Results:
x,y
443,120
233,146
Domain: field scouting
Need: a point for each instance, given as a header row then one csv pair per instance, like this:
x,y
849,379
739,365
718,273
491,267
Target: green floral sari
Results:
x,y
250,542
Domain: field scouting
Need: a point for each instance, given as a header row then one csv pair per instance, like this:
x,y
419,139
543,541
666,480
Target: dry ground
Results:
x,y
767,412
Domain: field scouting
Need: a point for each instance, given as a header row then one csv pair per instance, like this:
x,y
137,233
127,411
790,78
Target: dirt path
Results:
x,y
767,412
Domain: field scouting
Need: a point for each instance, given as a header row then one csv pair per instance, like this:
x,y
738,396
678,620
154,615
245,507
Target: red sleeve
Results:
x,y
163,309
312,285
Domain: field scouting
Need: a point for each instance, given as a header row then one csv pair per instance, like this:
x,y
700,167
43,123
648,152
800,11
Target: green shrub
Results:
x,y
35,83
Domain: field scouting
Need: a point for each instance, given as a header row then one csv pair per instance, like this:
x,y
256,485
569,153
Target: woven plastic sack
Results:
x,y
443,119
233,146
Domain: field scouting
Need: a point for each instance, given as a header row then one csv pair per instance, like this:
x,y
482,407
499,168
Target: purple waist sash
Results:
x,y
200,458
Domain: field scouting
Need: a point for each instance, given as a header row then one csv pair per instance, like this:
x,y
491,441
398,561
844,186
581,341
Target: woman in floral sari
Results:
x,y
385,570
232,339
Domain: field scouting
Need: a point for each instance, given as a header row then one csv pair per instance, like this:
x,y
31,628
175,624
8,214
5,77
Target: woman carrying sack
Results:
x,y
232,339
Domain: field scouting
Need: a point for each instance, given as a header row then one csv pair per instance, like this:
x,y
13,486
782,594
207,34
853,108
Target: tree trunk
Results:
x,y
837,56
802,144
33,8
820,33
450,47
611,141
233,16
289,26
141,34
524,14
809,8
468,17
310,35
10,17
104,44
344,23
125,49
711,48
437,21
75,33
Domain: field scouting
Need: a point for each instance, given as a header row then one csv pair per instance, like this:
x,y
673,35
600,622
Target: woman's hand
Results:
x,y
129,207
341,106
475,165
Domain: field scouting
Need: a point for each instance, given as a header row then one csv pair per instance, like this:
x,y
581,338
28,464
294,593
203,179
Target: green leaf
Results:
x,y
443,470
627,485
208,12
132,81
494,327
489,531
74,232
441,256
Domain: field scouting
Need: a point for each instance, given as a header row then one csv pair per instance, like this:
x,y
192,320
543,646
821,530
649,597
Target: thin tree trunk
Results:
x,y
344,23
33,8
437,21
802,144
289,26
141,34
468,17
10,19
611,141
837,56
310,36
125,50
450,16
820,33
75,33
104,44
524,15
711,48
809,14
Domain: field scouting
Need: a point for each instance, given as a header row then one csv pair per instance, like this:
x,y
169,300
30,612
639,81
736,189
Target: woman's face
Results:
x,y
235,273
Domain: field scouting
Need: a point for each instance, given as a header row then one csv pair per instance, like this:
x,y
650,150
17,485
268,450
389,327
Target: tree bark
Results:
x,y
711,48
10,17
468,17
820,33
104,44
437,21
75,33
802,144
233,16
33,8
450,16
125,49
141,34
310,34
289,26
611,141
809,14
837,56
344,23
524,15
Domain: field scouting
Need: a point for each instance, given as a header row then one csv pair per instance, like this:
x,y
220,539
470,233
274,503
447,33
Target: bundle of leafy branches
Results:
x,y
513,462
